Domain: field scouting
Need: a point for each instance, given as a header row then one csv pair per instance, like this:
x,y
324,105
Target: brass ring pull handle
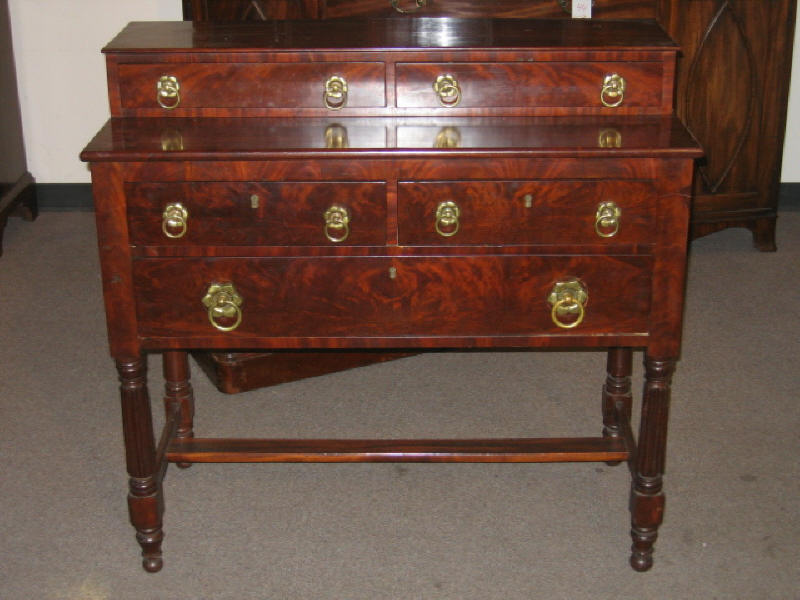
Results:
x,y
447,214
606,220
335,94
168,92
568,300
419,4
448,92
223,302
613,91
173,220
337,223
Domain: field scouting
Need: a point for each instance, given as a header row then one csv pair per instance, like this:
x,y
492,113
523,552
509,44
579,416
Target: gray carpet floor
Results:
x,y
412,531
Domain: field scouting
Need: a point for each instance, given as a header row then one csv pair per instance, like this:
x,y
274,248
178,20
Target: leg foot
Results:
x,y
764,234
145,499
647,498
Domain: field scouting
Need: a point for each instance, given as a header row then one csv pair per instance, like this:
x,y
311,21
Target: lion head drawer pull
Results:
x,y
168,92
173,220
448,92
568,301
606,220
447,214
223,302
337,223
613,91
335,94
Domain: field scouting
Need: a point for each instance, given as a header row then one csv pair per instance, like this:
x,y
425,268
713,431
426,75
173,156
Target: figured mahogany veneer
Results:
x,y
458,226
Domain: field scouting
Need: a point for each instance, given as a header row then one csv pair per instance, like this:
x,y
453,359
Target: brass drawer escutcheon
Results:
x,y
448,92
447,215
168,92
337,223
335,94
223,302
174,217
606,220
613,91
568,298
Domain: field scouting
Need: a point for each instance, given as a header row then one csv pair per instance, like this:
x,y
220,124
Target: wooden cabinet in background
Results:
x,y
732,82
17,192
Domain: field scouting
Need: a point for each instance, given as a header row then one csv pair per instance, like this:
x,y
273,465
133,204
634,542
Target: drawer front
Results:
x,y
249,85
352,297
525,212
544,85
264,213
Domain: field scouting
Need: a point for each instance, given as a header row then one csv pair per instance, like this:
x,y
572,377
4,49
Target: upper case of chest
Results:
x,y
390,67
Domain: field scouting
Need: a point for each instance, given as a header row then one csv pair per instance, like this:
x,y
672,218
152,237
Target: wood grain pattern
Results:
x,y
497,212
542,84
359,297
285,213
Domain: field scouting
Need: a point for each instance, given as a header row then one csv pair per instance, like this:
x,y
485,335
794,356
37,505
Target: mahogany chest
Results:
x,y
395,184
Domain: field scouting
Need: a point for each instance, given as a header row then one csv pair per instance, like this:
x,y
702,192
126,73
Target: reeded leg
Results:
x,y
145,500
178,390
647,497
617,389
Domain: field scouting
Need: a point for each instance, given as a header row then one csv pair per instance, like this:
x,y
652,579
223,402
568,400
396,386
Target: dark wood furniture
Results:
x,y
393,184
732,82
17,191
732,92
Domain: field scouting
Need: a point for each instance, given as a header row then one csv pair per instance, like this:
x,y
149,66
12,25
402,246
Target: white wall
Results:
x,y
61,74
62,83
791,146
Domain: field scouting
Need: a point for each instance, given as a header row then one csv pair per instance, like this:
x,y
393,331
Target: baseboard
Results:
x,y
64,196
789,198
78,196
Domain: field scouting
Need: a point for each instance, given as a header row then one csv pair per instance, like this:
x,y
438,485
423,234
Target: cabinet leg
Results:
x,y
764,234
647,497
617,390
178,390
145,499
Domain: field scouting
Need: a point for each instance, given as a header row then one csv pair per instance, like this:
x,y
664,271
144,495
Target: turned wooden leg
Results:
x,y
647,497
145,500
617,390
178,390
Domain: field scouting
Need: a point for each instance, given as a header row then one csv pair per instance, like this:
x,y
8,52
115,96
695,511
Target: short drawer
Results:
x,y
251,213
525,212
175,87
359,297
534,85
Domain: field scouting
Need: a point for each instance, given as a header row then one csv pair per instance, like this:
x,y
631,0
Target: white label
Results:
x,y
581,9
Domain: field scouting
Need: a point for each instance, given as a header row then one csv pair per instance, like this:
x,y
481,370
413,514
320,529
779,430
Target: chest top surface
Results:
x,y
379,34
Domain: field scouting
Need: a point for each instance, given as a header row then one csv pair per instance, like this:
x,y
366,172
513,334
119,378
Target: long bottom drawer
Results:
x,y
348,297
